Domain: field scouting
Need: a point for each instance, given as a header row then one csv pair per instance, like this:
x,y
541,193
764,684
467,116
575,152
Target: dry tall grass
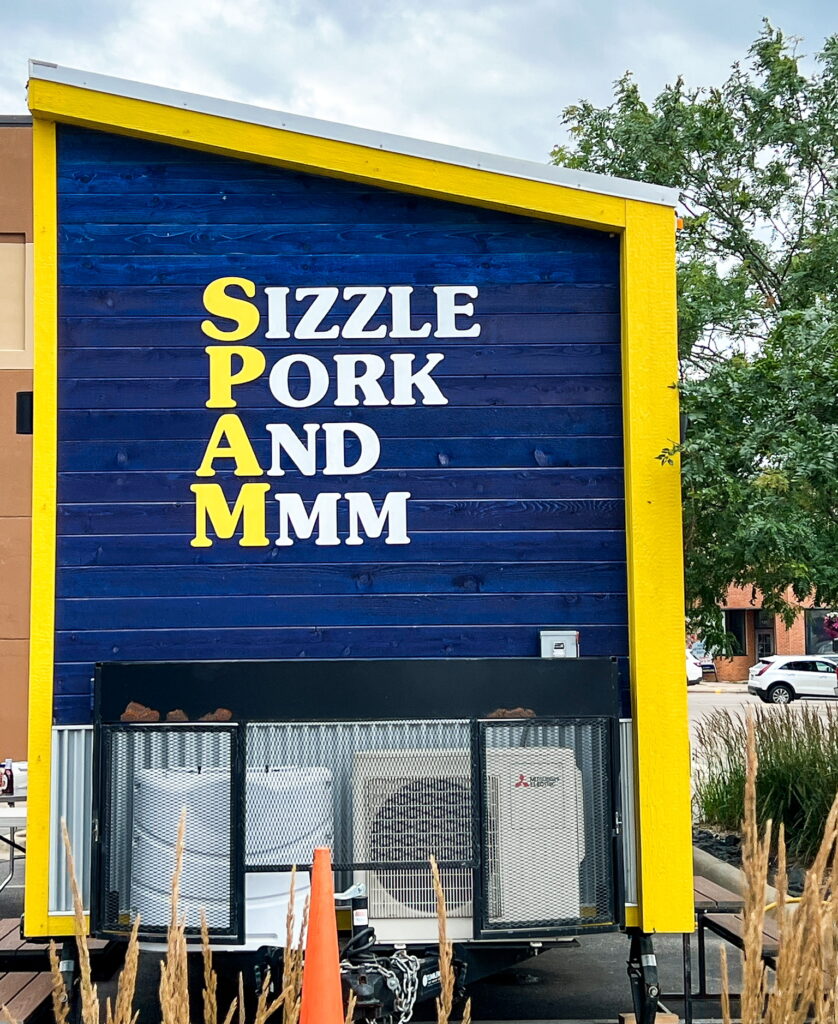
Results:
x,y
805,983
174,981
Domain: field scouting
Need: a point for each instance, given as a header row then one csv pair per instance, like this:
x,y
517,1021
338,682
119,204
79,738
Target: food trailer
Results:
x,y
349,530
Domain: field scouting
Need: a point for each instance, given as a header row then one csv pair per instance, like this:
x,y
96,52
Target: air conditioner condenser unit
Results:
x,y
535,835
408,804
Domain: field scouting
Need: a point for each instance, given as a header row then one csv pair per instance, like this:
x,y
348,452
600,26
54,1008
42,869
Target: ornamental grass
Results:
x,y
804,985
797,748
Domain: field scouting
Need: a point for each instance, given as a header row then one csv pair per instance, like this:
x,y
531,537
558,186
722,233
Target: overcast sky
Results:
x,y
485,74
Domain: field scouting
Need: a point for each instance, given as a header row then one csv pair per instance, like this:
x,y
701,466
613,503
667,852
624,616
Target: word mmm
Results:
x,y
249,509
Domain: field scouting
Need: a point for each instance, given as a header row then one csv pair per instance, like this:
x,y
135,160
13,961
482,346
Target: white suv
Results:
x,y
785,677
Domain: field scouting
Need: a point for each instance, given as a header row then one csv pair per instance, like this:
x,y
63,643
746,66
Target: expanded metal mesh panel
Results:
x,y
150,775
384,795
548,824
525,809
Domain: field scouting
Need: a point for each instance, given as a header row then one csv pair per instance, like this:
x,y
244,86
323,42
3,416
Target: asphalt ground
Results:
x,y
584,982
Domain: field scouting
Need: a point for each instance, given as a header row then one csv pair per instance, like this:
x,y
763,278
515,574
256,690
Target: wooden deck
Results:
x,y
25,982
25,994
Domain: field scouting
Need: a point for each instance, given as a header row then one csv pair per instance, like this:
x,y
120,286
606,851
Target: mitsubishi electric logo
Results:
x,y
536,781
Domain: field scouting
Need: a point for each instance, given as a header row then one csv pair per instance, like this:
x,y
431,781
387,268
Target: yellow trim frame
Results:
x,y
655,573
653,509
42,610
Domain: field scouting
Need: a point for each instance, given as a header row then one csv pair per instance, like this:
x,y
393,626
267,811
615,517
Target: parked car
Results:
x,y
694,669
782,678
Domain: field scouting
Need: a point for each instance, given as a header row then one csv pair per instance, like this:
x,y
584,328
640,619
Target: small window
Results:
x,y
825,666
765,620
735,624
800,666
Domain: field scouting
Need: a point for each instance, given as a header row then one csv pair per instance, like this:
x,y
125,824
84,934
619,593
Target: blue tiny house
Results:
x,y
322,414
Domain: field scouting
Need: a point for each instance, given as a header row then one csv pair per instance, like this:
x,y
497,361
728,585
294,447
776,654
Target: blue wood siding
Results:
x,y
516,517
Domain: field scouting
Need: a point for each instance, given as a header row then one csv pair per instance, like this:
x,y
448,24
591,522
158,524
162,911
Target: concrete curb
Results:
x,y
724,874
708,687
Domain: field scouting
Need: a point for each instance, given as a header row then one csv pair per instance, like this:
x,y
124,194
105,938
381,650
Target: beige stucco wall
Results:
x,y
15,450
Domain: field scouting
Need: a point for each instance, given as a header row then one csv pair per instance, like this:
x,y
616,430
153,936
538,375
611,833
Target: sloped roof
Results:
x,y
584,181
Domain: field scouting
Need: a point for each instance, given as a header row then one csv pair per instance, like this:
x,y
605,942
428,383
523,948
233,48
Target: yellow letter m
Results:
x,y
211,505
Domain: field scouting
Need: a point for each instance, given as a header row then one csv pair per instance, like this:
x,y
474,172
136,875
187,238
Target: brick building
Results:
x,y
759,633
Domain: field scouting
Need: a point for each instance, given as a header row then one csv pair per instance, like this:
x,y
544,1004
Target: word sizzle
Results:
x,y
300,380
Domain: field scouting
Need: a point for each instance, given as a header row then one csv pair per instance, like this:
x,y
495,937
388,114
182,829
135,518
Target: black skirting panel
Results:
x,y
347,690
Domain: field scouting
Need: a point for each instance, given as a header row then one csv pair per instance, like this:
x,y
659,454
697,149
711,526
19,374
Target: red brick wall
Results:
x,y
786,641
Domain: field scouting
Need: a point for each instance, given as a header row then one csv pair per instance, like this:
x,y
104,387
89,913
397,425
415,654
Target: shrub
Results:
x,y
797,750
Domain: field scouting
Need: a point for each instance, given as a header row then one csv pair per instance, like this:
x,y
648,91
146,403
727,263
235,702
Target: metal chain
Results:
x,y
405,989
409,965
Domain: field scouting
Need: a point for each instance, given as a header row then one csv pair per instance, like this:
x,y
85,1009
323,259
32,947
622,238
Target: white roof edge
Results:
x,y
622,188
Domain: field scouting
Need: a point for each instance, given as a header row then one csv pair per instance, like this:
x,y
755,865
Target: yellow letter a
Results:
x,y
230,429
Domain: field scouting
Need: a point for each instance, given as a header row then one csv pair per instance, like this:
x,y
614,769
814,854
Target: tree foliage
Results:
x,y
756,163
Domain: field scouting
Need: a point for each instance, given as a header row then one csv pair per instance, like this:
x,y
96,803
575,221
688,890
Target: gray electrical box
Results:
x,y
559,643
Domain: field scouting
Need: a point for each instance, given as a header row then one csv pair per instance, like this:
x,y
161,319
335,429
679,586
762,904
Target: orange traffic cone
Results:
x,y
322,1002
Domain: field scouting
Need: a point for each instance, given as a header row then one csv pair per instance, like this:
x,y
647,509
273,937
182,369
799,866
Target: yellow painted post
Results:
x,y
43,532
655,571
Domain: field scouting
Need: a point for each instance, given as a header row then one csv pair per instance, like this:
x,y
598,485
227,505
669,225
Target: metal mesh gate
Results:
x,y
147,776
385,796
549,825
519,815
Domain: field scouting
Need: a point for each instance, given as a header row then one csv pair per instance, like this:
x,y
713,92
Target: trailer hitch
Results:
x,y
643,976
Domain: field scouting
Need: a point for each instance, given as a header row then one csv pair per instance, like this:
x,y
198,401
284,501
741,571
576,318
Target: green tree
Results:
x,y
756,163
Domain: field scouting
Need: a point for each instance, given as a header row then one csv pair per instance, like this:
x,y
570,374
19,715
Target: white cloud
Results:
x,y
490,75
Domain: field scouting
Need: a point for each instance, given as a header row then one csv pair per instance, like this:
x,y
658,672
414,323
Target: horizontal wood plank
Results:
x,y
346,579
432,547
324,270
82,647
582,300
273,233
484,453
547,484
427,421
22,994
185,357
359,609
577,391
461,516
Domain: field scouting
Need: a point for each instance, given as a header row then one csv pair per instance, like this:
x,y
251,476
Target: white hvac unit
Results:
x,y
289,812
536,840
408,804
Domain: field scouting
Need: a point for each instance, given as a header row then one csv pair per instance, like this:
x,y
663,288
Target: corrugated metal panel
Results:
x,y
72,794
629,809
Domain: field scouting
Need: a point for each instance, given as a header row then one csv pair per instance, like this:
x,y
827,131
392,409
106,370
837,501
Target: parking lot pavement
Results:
x,y
588,982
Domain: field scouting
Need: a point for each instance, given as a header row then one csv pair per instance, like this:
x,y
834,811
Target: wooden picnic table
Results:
x,y
709,898
711,901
